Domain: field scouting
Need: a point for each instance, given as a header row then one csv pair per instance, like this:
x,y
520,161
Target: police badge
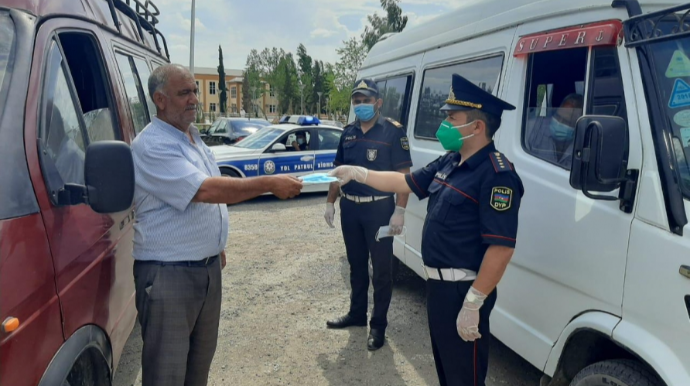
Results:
x,y
269,167
371,154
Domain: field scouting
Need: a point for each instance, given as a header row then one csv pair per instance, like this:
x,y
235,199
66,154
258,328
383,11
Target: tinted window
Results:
x,y
396,98
6,55
134,92
247,127
61,132
222,127
484,73
93,90
329,139
144,75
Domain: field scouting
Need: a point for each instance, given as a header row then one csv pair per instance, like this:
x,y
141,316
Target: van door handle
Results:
x,y
685,271
307,158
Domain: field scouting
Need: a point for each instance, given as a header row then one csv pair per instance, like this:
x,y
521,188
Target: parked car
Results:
x,y
227,131
71,100
270,151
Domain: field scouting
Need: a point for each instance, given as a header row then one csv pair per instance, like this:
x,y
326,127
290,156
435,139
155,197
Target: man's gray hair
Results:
x,y
159,77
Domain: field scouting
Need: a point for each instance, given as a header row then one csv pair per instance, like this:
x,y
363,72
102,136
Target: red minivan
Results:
x,y
73,95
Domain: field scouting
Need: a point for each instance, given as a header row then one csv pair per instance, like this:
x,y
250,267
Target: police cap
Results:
x,y
366,87
465,95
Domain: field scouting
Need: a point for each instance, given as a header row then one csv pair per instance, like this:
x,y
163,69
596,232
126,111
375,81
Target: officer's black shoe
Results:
x,y
345,321
376,339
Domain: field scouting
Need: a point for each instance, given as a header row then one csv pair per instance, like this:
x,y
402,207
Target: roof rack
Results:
x,y
643,29
145,15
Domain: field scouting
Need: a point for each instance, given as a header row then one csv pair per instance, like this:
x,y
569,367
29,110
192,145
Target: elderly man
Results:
x,y
180,233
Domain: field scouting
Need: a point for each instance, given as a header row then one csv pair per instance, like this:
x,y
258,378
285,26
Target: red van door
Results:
x,y
76,106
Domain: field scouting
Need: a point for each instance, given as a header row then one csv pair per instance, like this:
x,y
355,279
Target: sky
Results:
x,y
242,25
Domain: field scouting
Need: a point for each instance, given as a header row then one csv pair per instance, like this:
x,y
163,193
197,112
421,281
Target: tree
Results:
x,y
318,83
306,78
393,22
246,95
352,56
221,82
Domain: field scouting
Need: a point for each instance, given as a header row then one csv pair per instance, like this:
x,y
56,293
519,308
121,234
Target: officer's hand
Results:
x,y
330,214
285,186
348,173
397,220
468,318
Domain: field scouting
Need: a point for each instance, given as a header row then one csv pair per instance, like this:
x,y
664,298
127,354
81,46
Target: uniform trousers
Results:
x,y
360,222
458,363
179,312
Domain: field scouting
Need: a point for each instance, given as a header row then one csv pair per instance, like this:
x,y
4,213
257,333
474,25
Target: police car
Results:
x,y
271,150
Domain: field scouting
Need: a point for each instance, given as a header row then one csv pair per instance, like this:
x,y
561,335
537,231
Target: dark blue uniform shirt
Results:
x,y
383,148
470,207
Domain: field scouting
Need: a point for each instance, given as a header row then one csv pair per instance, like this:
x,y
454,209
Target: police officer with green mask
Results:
x,y
469,232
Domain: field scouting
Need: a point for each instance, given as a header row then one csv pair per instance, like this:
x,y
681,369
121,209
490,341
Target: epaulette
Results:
x,y
395,123
500,163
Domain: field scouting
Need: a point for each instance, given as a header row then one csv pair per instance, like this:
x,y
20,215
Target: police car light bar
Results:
x,y
302,120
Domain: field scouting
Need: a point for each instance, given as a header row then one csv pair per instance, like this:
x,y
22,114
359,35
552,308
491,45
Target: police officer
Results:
x,y
470,229
376,143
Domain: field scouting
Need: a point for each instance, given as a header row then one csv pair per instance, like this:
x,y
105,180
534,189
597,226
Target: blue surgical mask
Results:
x,y
365,112
300,141
561,132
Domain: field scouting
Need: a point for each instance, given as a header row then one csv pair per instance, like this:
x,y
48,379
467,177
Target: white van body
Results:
x,y
588,282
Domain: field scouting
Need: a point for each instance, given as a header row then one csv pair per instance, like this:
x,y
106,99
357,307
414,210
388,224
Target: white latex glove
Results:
x,y
468,318
397,220
347,173
330,214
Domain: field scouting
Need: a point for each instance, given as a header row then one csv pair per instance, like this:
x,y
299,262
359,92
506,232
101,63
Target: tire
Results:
x,y
620,372
224,172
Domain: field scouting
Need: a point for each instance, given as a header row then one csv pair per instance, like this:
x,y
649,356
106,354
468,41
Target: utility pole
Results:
x,y
191,38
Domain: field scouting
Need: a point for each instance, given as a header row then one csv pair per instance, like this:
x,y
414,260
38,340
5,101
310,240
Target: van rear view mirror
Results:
x,y
600,155
109,176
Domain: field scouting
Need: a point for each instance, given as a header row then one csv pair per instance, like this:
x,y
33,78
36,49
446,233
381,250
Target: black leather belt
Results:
x,y
191,263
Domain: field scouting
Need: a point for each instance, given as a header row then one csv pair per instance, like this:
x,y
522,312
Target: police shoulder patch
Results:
x,y
501,198
499,162
395,123
405,143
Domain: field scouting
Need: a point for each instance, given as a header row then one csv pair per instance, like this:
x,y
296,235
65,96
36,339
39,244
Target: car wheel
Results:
x,y
229,173
621,372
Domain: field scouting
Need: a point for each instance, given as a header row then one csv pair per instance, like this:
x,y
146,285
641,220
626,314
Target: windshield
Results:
x,y
247,127
6,55
260,139
672,63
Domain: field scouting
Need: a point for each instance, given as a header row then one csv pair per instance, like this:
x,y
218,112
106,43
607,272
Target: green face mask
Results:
x,y
450,136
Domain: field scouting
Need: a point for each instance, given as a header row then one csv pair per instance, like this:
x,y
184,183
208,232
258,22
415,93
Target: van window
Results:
x,y
90,82
61,133
144,75
396,93
6,54
134,92
556,94
485,73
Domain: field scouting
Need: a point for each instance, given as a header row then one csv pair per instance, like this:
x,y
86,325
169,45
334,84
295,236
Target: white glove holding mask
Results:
x,y
468,318
397,221
348,173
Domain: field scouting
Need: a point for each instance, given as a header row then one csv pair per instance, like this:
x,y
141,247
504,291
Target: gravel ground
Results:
x,y
286,275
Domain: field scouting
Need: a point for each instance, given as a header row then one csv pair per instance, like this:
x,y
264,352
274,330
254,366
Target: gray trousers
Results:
x,y
179,312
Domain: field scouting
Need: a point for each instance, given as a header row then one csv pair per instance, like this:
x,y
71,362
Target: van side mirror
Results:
x,y
600,158
109,176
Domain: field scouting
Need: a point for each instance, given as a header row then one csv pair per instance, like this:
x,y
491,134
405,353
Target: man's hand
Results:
x,y
330,214
397,220
284,186
348,173
223,260
468,318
